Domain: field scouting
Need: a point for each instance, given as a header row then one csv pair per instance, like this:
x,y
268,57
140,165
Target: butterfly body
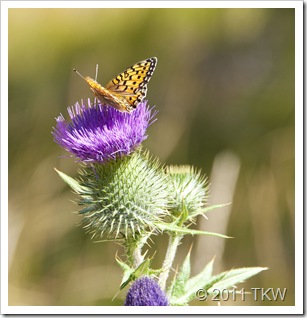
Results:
x,y
127,89
108,98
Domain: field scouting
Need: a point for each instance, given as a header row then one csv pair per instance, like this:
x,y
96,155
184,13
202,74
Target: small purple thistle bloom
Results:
x,y
99,133
146,292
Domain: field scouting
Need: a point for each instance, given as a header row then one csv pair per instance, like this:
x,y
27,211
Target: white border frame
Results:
x,y
298,308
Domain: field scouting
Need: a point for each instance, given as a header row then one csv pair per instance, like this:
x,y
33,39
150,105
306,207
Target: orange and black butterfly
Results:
x,y
127,89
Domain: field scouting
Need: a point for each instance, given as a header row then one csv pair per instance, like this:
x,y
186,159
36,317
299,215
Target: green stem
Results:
x,y
173,243
134,250
137,256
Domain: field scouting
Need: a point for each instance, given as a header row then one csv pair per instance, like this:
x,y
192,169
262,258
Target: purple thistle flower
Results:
x,y
146,292
99,133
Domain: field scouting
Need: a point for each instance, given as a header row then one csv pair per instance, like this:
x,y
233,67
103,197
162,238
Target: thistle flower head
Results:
x,y
146,292
99,133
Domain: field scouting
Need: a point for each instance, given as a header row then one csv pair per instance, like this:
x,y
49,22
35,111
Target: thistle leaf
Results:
x,y
197,282
230,278
191,286
75,185
177,288
207,209
184,230
227,279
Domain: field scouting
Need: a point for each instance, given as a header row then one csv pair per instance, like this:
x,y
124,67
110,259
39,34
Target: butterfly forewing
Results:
x,y
131,84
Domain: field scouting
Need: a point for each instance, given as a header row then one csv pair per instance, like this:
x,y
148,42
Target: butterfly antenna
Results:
x,y
78,73
96,74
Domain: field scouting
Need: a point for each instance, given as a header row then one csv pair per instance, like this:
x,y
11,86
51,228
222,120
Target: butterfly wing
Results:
x,y
131,84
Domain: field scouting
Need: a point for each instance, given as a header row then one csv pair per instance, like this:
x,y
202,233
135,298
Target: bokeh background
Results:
x,y
224,88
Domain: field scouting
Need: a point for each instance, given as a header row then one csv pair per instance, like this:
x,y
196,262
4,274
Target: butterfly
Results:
x,y
127,89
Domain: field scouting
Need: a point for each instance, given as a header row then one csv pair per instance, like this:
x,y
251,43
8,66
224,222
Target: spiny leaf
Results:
x,y
197,282
178,286
174,228
75,185
209,208
227,279
235,276
192,285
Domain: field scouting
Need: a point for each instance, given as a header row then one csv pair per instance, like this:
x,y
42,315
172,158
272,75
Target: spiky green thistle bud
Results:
x,y
123,197
190,190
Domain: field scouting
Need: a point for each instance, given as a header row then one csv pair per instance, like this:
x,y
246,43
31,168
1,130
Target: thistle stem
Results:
x,y
134,249
173,243
137,257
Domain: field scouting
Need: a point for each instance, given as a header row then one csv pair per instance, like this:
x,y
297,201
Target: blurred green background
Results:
x,y
224,88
